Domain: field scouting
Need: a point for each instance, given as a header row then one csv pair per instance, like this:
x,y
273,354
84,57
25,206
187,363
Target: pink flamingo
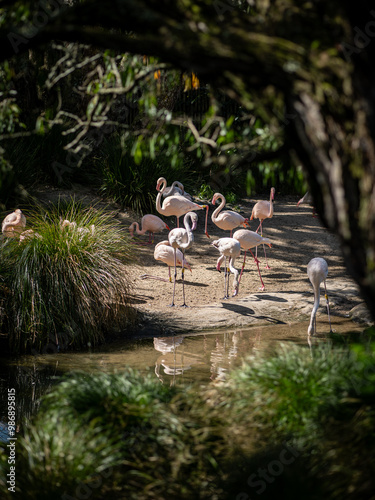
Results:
x,y
151,223
182,238
317,271
13,224
176,205
228,247
263,210
249,239
227,219
165,253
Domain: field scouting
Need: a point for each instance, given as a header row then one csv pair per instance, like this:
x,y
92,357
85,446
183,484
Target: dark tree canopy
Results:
x,y
306,65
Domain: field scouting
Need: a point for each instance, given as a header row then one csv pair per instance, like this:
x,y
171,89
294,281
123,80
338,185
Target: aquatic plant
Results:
x,y
64,284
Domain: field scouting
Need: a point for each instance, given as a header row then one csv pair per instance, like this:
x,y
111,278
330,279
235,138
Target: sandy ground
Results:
x,y
296,238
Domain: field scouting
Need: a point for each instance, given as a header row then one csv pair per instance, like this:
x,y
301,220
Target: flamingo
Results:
x,y
151,223
80,230
176,188
182,238
227,219
165,253
249,239
13,224
307,199
228,247
28,235
263,210
176,205
317,271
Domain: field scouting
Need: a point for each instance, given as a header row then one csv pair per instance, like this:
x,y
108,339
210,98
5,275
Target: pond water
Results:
x,y
175,360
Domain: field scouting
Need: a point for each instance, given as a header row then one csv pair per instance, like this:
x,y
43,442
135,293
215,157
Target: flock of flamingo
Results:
x,y
172,251
176,202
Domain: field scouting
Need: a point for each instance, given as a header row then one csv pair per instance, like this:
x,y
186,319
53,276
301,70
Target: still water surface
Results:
x,y
175,360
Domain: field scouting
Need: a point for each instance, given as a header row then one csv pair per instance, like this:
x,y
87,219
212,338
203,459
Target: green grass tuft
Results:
x,y
68,285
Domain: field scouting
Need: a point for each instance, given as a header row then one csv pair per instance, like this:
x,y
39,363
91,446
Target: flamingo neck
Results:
x,y
138,231
159,208
219,208
189,232
316,305
270,214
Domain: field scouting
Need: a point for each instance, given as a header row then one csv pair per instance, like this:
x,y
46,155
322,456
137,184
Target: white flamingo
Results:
x,y
165,253
176,205
317,271
226,219
263,210
151,224
180,238
13,224
228,247
176,188
249,239
80,230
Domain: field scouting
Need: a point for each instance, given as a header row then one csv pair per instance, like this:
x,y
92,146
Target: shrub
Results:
x,y
158,445
64,285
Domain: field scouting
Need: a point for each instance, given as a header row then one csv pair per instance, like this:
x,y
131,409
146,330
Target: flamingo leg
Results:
x,y
256,249
175,276
260,276
183,281
205,224
169,272
225,279
243,266
265,255
329,316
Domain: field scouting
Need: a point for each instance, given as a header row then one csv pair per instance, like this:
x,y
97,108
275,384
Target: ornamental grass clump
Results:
x,y
66,283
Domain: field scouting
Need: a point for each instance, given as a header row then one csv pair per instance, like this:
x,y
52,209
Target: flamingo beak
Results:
x,y
235,292
269,244
166,227
246,223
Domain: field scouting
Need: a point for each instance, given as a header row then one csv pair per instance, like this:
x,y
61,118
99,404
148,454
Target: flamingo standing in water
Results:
x,y
151,223
249,239
228,247
13,224
180,238
263,210
165,253
317,271
176,205
227,219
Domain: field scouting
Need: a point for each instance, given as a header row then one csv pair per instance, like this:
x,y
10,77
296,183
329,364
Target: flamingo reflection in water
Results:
x,y
174,360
